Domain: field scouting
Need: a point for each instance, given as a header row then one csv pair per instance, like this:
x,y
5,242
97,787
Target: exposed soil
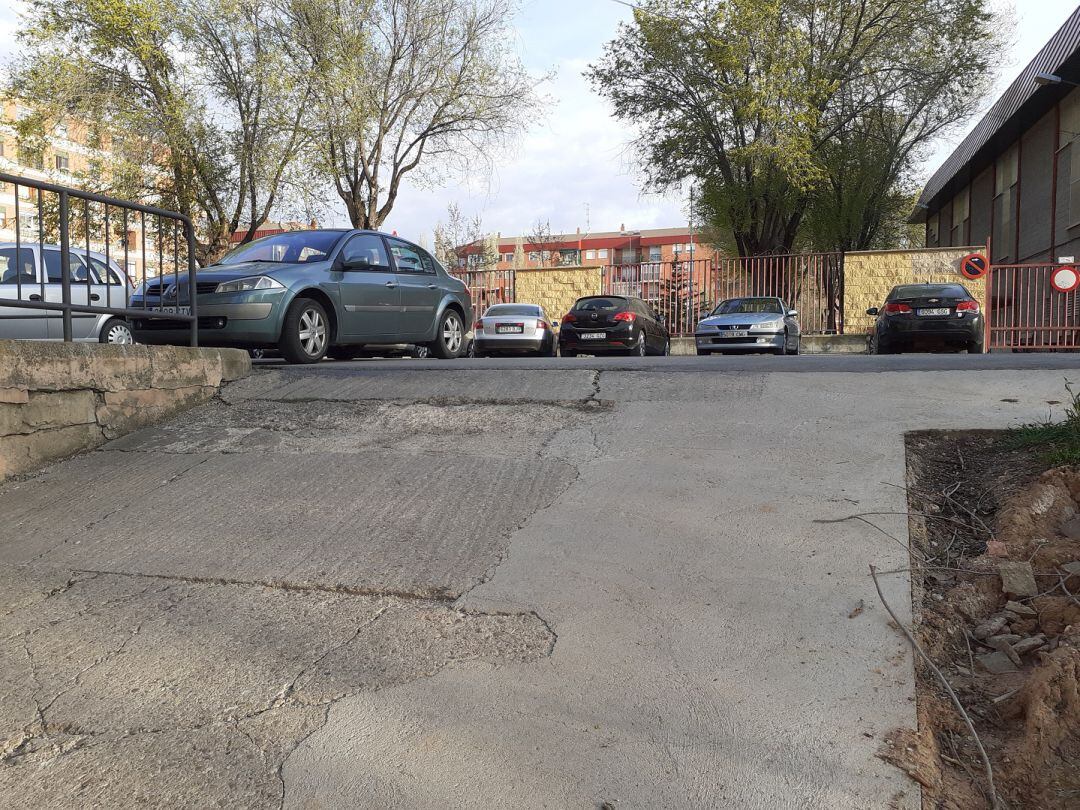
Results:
x,y
1012,658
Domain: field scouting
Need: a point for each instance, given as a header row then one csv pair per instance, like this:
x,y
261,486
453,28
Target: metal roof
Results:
x,y
1022,93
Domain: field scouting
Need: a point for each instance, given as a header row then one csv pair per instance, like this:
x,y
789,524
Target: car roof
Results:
x,y
939,288
77,249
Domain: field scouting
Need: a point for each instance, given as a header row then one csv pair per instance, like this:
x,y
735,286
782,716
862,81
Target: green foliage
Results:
x,y
1058,442
799,120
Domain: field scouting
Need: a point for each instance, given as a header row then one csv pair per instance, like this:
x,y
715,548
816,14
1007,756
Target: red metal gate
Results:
x,y
1025,312
684,292
488,287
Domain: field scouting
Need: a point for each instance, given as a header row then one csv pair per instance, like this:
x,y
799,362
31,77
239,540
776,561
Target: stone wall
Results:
x,y
58,399
868,277
556,288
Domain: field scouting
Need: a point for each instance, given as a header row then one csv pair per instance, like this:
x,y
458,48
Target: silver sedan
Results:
x,y
753,324
518,328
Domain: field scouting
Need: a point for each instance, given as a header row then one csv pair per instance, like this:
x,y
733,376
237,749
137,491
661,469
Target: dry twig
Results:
x,y
987,767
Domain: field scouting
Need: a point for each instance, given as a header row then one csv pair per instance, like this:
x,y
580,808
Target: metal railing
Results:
x,y
1026,313
165,226
488,287
683,292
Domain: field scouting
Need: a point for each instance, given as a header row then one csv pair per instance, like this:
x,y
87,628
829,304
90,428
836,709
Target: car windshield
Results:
x,y
747,306
512,309
294,247
598,304
928,291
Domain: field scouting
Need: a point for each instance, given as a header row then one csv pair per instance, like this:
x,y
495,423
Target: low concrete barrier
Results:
x,y
58,399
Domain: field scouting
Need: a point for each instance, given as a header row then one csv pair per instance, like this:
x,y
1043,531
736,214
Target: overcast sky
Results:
x,y
574,157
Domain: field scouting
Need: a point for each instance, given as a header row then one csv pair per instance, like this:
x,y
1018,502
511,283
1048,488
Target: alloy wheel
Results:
x,y
641,349
452,333
312,332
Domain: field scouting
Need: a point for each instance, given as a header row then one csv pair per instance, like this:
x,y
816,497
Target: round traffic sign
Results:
x,y
1065,278
974,266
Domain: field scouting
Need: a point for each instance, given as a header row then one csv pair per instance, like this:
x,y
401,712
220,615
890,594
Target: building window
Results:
x,y
534,256
31,158
590,254
655,253
961,213
602,253
1005,203
62,162
508,257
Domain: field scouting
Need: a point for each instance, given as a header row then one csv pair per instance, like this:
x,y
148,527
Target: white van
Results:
x,y
35,273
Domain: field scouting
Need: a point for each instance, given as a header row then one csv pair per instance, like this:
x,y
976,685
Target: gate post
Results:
x,y
65,265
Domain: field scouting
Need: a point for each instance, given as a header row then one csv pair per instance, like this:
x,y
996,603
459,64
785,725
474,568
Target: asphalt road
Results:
x,y
517,584
761,364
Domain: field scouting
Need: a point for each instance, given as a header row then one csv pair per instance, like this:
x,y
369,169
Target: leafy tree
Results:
x,y
754,100
192,93
405,87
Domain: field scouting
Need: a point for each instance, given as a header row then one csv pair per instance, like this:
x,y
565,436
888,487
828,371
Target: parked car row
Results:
x,y
340,293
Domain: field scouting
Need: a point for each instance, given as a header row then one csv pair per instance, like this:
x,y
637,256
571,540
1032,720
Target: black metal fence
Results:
x,y
72,222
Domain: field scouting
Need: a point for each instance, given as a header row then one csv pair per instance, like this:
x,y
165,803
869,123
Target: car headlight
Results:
x,y
770,326
249,284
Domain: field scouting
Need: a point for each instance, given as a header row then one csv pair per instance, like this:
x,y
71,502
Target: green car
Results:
x,y
308,294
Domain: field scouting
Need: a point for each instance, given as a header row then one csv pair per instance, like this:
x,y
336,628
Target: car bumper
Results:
x,y
247,324
716,342
499,343
959,330
616,339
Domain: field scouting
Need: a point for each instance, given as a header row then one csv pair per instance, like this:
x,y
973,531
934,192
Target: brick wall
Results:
x,y
59,399
556,289
868,277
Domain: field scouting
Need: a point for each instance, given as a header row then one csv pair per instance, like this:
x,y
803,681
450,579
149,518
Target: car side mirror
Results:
x,y
793,313
872,311
356,264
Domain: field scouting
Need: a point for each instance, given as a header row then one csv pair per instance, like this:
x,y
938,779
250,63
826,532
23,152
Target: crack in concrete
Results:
x,y
438,595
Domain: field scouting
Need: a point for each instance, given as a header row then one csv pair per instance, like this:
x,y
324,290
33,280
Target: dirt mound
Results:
x,y
996,553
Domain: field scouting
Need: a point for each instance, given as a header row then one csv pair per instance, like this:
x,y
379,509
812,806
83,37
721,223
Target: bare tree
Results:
x,y
407,87
460,236
542,242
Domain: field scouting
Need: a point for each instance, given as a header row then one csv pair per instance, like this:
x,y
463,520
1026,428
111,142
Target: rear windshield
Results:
x,y
929,291
511,309
600,303
747,306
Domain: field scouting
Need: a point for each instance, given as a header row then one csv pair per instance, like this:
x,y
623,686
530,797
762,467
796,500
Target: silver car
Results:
x,y
752,324
514,328
34,275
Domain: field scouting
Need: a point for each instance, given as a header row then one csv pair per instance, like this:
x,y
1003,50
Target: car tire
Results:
x,y
567,353
975,347
450,337
118,332
641,348
305,334
667,347
703,352
421,352
796,350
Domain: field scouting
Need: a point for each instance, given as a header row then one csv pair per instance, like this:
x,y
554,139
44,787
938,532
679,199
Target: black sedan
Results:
x,y
928,316
613,324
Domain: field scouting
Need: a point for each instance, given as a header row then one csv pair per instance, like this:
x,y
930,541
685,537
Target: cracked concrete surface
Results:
x,y
349,587
182,608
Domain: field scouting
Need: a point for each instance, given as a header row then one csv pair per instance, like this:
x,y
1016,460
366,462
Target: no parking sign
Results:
x,y
974,266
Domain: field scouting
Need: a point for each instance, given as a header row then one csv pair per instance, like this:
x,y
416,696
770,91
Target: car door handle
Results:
x,y
391,284
35,297
433,286
95,297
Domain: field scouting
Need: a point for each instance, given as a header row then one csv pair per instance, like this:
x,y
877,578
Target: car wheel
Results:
x,y
117,331
703,352
421,352
450,339
305,335
975,347
640,348
667,347
567,353
796,349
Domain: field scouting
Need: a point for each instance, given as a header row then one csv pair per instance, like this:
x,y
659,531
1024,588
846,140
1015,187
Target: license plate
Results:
x,y
172,310
935,311
593,335
737,333
512,329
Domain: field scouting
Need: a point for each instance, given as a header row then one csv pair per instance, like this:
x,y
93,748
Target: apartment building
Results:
x,y
72,151
653,246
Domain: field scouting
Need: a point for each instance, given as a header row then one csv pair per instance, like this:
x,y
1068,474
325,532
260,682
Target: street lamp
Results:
x,y
1045,79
